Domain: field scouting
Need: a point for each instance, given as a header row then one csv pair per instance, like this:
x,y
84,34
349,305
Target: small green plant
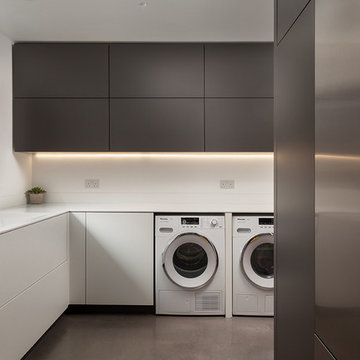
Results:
x,y
36,190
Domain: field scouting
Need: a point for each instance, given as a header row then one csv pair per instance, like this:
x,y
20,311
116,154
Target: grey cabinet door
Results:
x,y
287,12
61,125
239,70
233,125
60,70
157,125
156,70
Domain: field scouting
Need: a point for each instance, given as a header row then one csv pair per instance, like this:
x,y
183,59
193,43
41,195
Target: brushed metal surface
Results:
x,y
287,13
294,191
337,176
321,352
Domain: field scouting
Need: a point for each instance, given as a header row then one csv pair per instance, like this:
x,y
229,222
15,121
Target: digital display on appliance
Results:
x,y
190,221
266,221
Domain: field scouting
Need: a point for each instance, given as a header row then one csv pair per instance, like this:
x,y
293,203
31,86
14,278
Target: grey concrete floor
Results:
x,y
149,337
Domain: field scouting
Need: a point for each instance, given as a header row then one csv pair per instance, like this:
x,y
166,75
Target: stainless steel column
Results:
x,y
294,179
338,177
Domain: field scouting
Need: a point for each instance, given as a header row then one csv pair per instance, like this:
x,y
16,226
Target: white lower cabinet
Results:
x,y
119,258
29,253
34,283
110,257
26,318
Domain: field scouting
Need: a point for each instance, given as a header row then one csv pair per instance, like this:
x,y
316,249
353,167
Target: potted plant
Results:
x,y
35,195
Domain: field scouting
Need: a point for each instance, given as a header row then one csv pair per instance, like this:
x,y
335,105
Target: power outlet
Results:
x,y
227,184
92,183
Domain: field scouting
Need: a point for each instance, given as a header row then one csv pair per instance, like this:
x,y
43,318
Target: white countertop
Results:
x,y
17,217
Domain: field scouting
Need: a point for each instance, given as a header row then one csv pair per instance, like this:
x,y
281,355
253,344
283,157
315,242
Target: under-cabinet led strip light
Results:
x,y
156,155
337,157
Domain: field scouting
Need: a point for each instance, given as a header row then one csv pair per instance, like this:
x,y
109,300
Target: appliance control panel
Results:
x,y
213,222
244,225
168,224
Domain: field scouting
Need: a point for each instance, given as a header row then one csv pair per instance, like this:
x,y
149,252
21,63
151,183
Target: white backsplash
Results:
x,y
158,180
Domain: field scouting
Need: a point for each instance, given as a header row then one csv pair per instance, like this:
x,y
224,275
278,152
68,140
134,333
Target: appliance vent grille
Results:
x,y
209,301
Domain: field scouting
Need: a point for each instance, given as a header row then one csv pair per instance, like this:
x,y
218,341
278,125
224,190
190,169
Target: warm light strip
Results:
x,y
337,157
156,155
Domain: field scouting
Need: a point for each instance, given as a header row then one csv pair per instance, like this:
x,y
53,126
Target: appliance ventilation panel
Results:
x,y
207,301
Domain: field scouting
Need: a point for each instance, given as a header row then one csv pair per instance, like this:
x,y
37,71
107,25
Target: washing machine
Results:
x,y
190,264
253,265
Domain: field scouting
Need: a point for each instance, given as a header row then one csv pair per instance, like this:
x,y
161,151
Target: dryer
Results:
x,y
190,264
253,265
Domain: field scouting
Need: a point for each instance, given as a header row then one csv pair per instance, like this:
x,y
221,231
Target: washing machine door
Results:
x,y
190,261
257,260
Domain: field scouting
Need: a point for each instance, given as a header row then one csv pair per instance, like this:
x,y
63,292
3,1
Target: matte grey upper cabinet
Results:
x,y
157,125
239,70
287,12
61,125
234,125
156,70
60,70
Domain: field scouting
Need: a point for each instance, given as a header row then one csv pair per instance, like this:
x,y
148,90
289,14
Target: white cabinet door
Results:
x,y
77,258
119,258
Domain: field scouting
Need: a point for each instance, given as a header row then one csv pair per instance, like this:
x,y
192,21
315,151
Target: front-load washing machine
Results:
x,y
253,265
190,264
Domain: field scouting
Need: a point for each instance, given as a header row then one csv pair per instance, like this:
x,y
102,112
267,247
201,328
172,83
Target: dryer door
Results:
x,y
257,260
190,261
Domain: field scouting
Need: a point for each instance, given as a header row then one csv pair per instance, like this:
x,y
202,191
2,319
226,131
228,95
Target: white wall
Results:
x,y
179,180
15,169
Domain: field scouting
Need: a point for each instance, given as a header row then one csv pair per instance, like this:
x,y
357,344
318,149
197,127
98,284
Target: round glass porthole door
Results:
x,y
258,260
190,261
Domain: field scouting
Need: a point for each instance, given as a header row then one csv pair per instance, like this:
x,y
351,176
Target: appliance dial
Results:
x,y
213,222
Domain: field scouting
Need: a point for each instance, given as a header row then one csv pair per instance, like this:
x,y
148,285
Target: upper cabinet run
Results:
x,y
239,70
143,97
60,70
156,70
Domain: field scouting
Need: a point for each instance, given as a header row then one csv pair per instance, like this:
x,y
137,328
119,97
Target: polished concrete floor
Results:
x,y
149,337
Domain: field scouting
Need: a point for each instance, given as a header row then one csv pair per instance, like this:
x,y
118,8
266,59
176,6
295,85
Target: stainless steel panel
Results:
x,y
321,352
338,176
287,13
294,191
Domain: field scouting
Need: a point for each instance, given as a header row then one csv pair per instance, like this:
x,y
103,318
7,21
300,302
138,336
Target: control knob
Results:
x,y
213,222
